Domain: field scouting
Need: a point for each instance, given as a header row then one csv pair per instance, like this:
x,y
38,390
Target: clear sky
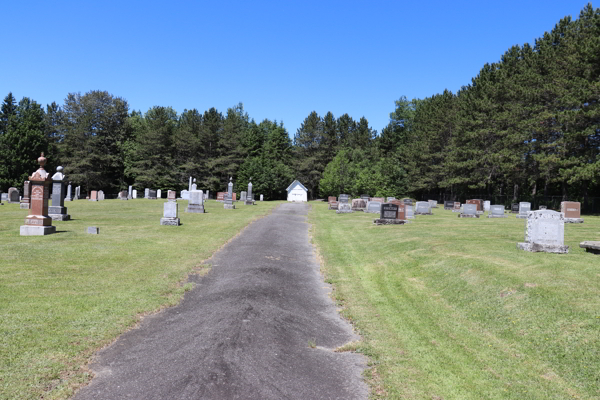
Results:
x,y
281,59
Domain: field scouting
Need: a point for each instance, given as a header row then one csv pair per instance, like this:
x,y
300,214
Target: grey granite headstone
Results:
x,y
94,230
190,185
486,205
410,213
408,202
123,195
100,195
69,194
249,195
544,231
261,197
185,194
159,194
146,193
469,211
524,208
423,208
170,213
514,208
496,211
432,203
13,195
77,193
134,193
196,202
57,211
373,207
130,192
344,198
388,199
228,203
364,197
344,208
543,208
243,196
4,197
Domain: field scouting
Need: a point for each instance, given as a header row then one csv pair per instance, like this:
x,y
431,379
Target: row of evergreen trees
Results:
x,y
527,127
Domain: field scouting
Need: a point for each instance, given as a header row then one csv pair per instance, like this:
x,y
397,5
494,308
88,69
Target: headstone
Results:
x,y
134,193
123,195
93,195
590,247
69,194
544,231
432,203
486,205
423,208
229,198
365,197
378,199
344,198
26,199
358,204
389,215
572,211
401,208
93,230
196,202
170,212
249,195
333,205
13,195
448,205
4,197
171,195
221,196
261,197
243,196
514,208
478,203
373,207
344,208
58,211
206,194
410,213
159,194
331,198
456,207
185,194
545,208
496,211
38,222
389,199
77,193
469,211
408,202
146,193
100,195
151,194
130,192
524,208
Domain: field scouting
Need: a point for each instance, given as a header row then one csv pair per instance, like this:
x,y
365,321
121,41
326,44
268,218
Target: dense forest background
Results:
x,y
527,128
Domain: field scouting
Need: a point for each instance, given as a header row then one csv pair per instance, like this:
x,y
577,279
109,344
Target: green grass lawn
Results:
x,y
449,308
64,296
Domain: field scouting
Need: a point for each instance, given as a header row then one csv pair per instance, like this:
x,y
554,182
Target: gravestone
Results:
x,y
130,193
373,207
572,211
93,230
229,199
4,197
389,199
26,199
261,197
146,193
401,208
185,194
524,208
344,198
364,197
432,203
249,195
171,213
331,198
196,202
171,195
243,196
423,208
14,196
469,211
478,204
122,195
590,247
448,205
378,199
456,207
514,208
38,222
344,208
545,208
58,211
151,194
486,205
221,196
496,211
100,195
358,204
408,202
93,195
159,194
544,231
69,196
206,194
389,215
134,193
333,205
409,210
77,193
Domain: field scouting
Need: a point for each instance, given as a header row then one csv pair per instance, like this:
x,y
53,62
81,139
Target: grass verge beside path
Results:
x,y
449,308
65,295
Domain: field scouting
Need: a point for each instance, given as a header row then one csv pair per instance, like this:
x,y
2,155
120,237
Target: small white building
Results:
x,y
297,192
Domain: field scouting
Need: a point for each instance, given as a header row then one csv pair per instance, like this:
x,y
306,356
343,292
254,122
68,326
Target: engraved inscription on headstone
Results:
x,y
544,231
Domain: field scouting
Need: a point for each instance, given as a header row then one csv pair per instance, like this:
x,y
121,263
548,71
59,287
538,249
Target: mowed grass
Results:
x,y
449,308
64,296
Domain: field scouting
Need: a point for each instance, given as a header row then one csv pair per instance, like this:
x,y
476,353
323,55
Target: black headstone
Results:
x,y
448,205
515,208
389,211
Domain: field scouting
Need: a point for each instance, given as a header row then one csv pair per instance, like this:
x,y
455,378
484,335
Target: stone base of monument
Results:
x,y
496,216
31,230
546,248
192,208
249,202
384,221
59,217
24,206
573,220
468,215
229,206
591,247
170,221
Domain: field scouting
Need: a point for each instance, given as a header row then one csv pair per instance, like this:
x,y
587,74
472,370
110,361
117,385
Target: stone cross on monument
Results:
x,y
38,222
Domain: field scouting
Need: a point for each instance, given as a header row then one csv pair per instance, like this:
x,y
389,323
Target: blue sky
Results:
x,y
281,59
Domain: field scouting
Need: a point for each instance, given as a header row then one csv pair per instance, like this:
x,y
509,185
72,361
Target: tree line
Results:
x,y
525,128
